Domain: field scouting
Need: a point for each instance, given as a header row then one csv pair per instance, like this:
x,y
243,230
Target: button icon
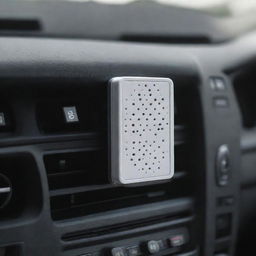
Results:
x,y
71,114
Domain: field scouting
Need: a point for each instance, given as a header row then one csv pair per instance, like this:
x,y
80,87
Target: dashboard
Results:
x,y
56,197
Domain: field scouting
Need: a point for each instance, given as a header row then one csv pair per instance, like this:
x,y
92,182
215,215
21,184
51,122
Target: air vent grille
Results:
x,y
88,202
70,170
129,227
79,185
79,181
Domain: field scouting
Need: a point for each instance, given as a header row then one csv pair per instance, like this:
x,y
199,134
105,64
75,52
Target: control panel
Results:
x,y
174,242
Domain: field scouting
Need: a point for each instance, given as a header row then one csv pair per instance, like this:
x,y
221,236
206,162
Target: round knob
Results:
x,y
5,191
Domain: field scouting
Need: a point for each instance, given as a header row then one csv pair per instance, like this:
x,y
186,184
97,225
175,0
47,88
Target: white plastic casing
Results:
x,y
142,129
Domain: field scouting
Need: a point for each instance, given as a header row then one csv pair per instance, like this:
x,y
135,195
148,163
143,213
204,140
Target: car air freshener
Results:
x,y
141,129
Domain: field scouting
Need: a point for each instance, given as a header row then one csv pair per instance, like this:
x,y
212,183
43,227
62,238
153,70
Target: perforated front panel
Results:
x,y
142,129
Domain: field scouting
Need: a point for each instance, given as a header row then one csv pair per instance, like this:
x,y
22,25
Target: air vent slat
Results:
x,y
79,185
73,190
60,173
124,229
83,203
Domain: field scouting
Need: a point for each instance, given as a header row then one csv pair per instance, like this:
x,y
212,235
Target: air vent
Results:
x,y
126,229
69,204
17,199
79,184
70,170
79,181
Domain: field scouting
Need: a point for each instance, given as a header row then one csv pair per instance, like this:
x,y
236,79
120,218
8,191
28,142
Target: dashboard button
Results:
x,y
163,244
212,83
223,225
6,119
226,201
220,102
217,84
71,115
90,254
118,251
134,251
177,240
220,84
153,247
223,165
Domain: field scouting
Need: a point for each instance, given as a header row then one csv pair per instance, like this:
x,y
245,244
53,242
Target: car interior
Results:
x,y
127,128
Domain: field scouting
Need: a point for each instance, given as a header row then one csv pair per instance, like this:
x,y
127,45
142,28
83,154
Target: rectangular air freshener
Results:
x,y
142,129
